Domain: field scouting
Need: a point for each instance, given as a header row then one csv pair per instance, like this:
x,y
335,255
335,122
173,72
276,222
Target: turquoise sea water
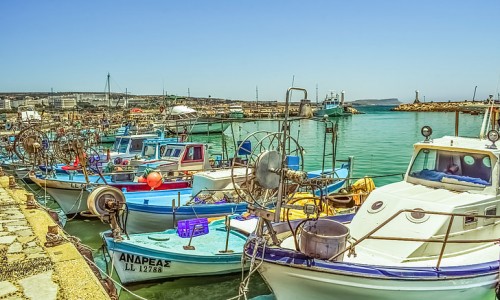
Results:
x,y
381,142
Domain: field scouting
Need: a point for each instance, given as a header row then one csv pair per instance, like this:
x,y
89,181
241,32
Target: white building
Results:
x,y
5,104
62,102
15,103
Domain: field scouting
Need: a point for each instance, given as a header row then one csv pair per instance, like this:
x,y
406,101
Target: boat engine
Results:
x,y
108,204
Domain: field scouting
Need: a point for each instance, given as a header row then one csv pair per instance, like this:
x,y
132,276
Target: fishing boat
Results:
x,y
71,190
195,248
170,155
432,235
332,106
236,112
27,115
214,192
181,119
211,195
126,146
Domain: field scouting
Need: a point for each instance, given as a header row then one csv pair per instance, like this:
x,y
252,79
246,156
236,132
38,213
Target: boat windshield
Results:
x,y
172,152
121,145
149,151
452,167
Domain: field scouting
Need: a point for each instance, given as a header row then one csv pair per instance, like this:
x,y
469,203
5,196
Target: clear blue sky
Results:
x,y
370,49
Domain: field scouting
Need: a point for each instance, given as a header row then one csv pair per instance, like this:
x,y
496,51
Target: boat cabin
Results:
x,y
454,163
152,150
450,186
180,157
127,146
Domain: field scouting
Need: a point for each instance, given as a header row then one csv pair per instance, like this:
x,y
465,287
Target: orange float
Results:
x,y
154,180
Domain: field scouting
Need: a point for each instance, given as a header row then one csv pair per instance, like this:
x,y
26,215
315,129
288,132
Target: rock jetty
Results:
x,y
465,106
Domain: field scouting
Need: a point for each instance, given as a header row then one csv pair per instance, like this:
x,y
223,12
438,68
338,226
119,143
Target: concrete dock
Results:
x,y
30,268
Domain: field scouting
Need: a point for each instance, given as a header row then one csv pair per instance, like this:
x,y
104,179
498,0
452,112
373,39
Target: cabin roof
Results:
x,y
455,143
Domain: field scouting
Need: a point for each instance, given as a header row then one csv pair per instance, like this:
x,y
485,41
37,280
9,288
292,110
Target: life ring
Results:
x,y
8,126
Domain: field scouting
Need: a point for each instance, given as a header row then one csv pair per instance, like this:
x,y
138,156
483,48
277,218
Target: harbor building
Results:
x,y
5,103
62,102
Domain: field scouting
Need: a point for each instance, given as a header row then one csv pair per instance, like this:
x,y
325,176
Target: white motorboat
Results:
x,y
432,235
181,119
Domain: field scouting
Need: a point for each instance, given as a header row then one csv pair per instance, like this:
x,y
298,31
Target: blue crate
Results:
x,y
185,227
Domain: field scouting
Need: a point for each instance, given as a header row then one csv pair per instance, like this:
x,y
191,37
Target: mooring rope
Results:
x,y
245,282
114,281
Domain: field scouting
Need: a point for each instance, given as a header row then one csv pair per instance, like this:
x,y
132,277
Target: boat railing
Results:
x,y
445,240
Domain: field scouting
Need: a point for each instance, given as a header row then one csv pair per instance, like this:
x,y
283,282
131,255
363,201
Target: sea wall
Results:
x,y
443,107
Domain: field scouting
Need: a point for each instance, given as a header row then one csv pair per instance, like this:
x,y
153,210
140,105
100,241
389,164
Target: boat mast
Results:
x,y
257,97
109,91
316,95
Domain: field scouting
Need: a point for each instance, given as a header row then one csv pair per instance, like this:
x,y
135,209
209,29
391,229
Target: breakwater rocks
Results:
x,y
466,107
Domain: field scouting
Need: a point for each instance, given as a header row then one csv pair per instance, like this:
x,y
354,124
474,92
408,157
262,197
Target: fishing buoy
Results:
x,y
118,169
125,162
8,126
117,161
154,180
142,179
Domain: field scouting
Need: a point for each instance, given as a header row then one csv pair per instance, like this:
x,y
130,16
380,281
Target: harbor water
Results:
x,y
381,142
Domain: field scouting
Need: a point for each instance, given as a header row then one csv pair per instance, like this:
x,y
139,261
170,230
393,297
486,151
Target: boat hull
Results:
x,y
160,255
199,127
72,196
300,283
147,218
330,112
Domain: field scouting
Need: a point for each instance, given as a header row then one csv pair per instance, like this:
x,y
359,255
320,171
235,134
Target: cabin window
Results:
x,y
136,145
452,167
122,145
176,153
490,211
194,154
470,221
417,216
376,207
168,153
162,150
149,151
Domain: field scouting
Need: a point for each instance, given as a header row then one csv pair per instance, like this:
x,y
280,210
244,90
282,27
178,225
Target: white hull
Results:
x,y
142,268
138,222
71,197
295,283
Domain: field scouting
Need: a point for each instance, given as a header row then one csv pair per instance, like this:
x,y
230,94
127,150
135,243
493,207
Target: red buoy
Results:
x,y
154,180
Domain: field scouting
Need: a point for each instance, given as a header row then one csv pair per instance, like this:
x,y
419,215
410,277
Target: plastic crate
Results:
x,y
185,227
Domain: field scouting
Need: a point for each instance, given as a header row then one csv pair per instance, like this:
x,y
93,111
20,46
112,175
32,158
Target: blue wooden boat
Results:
x,y
160,210
194,249
151,211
